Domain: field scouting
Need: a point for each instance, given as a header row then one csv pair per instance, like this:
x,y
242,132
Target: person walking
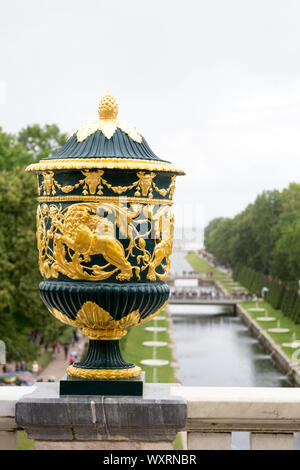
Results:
x,y
74,355
66,350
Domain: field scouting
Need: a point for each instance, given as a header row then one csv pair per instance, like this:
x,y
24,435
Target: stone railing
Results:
x,y
271,415
206,416
9,396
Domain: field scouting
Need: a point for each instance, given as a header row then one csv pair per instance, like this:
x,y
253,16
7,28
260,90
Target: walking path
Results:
x,y
57,367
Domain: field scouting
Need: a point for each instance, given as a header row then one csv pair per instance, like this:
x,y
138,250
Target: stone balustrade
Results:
x,y
271,415
206,415
9,396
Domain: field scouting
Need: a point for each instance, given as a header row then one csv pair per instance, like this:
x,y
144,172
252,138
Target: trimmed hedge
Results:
x,y
282,296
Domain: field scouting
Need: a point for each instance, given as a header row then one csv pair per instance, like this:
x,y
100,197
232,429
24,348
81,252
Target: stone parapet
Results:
x,y
271,415
9,396
156,417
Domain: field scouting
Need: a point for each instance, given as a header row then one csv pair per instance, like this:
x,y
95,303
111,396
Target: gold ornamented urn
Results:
x,y
104,235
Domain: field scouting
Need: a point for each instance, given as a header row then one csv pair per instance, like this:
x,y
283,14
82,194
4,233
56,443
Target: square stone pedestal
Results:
x,y
100,421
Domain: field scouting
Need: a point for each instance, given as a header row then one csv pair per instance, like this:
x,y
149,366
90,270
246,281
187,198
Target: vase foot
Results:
x,y
104,374
132,386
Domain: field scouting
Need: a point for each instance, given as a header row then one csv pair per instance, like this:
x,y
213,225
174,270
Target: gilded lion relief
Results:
x,y
95,241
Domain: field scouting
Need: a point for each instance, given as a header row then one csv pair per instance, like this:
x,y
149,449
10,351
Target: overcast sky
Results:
x,y
213,85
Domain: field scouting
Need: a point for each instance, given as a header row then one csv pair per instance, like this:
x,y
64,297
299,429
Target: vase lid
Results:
x,y
108,143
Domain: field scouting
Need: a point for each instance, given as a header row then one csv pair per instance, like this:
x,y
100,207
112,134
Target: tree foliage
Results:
x,y
12,153
21,309
285,261
264,237
40,142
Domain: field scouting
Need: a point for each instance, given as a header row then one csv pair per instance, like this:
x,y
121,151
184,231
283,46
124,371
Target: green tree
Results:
x,y
217,242
12,153
21,309
241,245
41,142
210,227
265,216
286,253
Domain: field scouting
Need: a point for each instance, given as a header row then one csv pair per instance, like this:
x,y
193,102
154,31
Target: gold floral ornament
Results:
x,y
97,323
107,122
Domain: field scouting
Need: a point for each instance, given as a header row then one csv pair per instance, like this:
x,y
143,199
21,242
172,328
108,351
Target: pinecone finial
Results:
x,y
108,107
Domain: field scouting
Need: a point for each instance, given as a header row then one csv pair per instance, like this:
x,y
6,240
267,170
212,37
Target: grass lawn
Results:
x,y
198,263
202,266
177,444
285,322
23,442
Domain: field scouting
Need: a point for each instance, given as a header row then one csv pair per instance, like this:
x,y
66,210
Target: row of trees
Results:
x,y
21,309
262,244
281,295
264,237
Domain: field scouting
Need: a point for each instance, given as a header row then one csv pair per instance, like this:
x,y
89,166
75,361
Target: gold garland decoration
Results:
x,y
105,374
93,183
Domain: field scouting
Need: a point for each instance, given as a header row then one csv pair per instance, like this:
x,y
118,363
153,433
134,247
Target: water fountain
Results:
x,y
266,317
155,328
256,309
295,344
278,329
154,362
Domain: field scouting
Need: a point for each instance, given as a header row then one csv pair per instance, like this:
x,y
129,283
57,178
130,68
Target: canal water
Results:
x,y
214,349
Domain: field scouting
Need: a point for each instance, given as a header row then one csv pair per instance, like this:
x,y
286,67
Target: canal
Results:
x,y
214,349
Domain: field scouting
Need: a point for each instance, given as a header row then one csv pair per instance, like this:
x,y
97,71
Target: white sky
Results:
x,y
213,85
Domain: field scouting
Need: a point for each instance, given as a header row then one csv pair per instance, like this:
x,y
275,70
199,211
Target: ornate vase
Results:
x,y
104,235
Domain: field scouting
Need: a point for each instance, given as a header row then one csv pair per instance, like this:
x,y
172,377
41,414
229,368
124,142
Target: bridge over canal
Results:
x,y
230,302
198,301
